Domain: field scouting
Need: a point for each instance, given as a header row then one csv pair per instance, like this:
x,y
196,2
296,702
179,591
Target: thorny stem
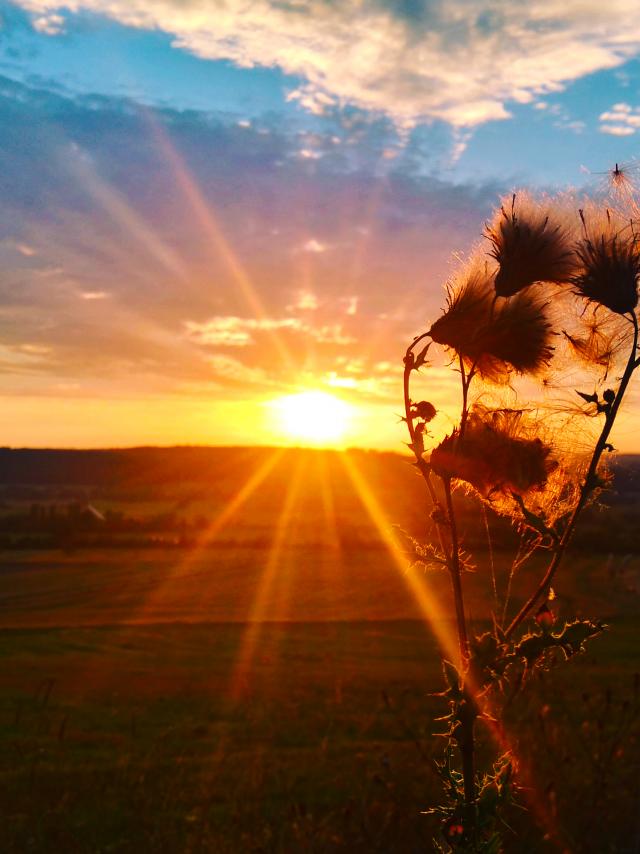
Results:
x,y
587,487
465,391
456,578
467,711
466,378
422,466
466,740
452,556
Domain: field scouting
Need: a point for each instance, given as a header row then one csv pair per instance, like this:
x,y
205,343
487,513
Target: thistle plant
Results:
x,y
540,327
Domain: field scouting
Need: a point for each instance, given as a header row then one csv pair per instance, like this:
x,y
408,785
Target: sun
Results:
x,y
317,417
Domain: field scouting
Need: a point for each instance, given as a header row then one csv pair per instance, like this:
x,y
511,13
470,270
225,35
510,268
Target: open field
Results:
x,y
151,738
269,688
130,722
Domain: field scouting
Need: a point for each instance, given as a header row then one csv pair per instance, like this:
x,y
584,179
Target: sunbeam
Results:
x,y
417,584
445,634
264,591
212,230
131,223
164,591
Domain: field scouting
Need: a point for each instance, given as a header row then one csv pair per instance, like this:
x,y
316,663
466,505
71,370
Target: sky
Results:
x,y
207,205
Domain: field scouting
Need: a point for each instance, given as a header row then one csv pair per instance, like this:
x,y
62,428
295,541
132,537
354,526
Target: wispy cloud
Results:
x,y
233,331
230,331
462,61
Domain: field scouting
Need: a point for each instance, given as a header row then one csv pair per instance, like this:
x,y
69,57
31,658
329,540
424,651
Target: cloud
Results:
x,y
142,248
621,120
233,331
461,61
49,24
228,369
306,301
313,245
93,295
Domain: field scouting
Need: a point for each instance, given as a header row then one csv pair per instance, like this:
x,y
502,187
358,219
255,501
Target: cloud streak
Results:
x,y
460,61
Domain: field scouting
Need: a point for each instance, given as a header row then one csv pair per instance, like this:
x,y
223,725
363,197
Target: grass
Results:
x,y
128,739
128,724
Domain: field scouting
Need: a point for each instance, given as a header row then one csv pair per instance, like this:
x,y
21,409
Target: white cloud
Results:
x,y
352,306
26,250
306,301
49,24
314,245
620,120
94,295
331,334
462,61
617,130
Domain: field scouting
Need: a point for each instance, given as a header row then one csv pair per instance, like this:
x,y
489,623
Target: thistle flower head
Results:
x,y
494,454
495,338
609,266
530,245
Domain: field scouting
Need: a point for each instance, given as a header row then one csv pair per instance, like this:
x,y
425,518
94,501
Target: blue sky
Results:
x,y
545,141
187,185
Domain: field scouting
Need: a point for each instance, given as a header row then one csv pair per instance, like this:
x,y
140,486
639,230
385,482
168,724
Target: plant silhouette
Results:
x,y
540,326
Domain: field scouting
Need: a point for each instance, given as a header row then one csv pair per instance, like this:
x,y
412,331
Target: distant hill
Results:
x,y
174,492
151,465
196,464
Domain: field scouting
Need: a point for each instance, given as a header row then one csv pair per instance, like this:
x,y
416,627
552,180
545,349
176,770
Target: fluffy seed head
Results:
x,y
609,267
494,454
530,245
497,337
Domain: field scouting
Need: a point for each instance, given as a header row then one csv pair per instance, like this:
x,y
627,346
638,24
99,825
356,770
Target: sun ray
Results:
x,y
208,222
417,583
328,500
253,629
131,223
164,590
440,625
333,583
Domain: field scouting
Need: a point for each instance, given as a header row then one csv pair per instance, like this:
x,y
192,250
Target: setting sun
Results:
x,y
314,416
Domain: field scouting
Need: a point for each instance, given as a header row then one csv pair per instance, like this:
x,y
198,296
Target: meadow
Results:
x,y
251,671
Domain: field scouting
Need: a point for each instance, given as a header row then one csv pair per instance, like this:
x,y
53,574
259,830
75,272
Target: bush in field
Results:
x,y
540,326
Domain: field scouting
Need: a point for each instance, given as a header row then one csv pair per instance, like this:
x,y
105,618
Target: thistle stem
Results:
x,y
587,487
423,468
465,394
456,578
466,740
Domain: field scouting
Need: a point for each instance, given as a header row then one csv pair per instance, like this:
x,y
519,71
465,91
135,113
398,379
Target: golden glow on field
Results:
x,y
316,417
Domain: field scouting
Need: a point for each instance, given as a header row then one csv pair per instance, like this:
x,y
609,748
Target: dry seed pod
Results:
x,y
530,245
494,337
494,454
609,266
